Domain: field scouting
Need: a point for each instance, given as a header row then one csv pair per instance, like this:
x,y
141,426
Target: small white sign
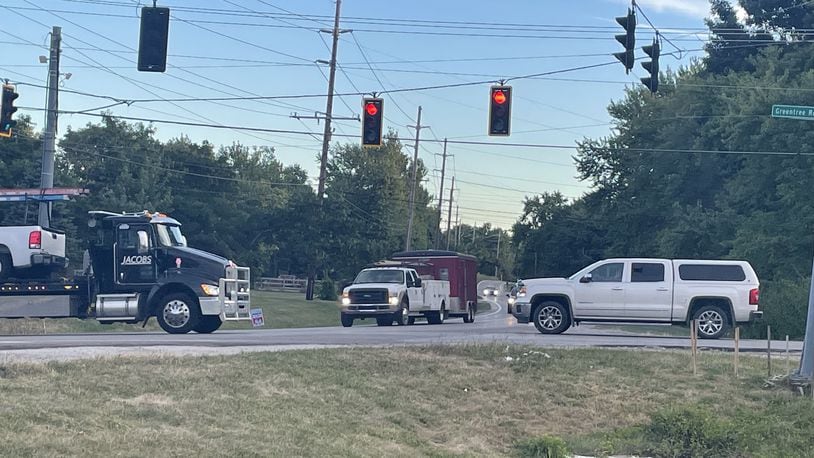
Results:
x,y
257,318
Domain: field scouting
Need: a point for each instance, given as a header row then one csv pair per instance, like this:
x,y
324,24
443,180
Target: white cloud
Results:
x,y
740,13
695,8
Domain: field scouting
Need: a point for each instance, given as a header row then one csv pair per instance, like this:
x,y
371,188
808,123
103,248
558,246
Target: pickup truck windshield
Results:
x,y
379,276
169,236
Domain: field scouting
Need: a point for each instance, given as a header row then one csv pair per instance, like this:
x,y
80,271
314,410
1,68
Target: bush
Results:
x,y
543,447
687,432
327,290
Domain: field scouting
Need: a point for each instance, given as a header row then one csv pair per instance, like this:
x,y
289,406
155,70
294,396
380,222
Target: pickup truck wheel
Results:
x,y
208,324
347,320
5,266
551,318
178,313
712,322
436,317
402,317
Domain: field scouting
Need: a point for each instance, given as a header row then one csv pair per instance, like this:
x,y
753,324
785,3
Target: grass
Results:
x,y
281,310
412,401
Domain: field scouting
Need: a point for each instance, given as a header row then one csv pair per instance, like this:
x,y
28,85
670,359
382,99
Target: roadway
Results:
x,y
495,326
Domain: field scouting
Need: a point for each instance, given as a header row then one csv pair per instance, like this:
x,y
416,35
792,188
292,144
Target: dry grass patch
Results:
x,y
415,401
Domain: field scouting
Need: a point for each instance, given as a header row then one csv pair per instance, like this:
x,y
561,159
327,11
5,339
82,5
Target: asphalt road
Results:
x,y
493,327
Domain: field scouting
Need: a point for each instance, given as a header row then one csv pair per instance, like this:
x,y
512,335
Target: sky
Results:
x,y
240,48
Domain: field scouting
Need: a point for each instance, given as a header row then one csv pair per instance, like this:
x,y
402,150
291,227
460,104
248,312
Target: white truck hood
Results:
x,y
392,287
547,282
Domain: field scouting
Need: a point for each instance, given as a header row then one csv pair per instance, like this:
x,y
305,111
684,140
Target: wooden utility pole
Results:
x,y
441,199
413,184
449,215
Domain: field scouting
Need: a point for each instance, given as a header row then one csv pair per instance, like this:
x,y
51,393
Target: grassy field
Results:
x,y
414,401
281,310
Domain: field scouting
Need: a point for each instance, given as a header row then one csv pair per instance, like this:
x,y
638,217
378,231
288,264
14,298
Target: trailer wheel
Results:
x,y
5,266
208,324
470,314
178,313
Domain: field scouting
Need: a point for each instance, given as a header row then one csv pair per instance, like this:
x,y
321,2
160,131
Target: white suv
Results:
x,y
716,293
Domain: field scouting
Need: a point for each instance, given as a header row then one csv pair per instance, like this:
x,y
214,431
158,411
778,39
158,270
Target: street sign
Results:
x,y
793,112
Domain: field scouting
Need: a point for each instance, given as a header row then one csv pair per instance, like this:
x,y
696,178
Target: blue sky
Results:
x,y
269,54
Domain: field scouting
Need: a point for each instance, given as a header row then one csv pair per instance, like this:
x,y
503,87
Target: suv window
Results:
x,y
711,272
608,273
647,272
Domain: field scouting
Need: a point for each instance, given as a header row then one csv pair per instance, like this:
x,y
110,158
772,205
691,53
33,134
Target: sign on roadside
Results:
x,y
793,112
257,318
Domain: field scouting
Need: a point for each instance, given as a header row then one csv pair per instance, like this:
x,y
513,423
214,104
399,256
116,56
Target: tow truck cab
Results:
x,y
140,266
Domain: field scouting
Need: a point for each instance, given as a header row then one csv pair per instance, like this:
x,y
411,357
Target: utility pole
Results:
x,y
497,256
50,140
805,375
414,178
449,215
441,200
326,137
458,226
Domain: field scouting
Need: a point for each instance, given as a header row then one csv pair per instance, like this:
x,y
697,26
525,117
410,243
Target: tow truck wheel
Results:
x,y
178,313
208,324
5,266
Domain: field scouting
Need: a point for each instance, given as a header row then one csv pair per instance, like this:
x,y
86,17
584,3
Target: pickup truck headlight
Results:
x,y
522,292
394,300
345,298
210,290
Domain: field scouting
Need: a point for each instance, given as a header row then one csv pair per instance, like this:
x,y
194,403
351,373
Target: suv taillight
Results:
x,y
754,296
35,240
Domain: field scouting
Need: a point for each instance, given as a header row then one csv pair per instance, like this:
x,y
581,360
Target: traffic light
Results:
x,y
652,66
628,40
7,110
152,47
500,110
373,113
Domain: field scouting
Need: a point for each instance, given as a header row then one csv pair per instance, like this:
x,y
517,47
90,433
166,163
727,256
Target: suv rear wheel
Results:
x,y
713,322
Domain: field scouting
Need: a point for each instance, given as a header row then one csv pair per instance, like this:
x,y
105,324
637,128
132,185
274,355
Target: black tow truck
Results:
x,y
138,265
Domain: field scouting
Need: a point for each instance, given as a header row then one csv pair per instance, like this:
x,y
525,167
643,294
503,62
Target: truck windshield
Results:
x,y
169,235
380,276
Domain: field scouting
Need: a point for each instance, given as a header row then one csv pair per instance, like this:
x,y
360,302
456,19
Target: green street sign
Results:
x,y
793,112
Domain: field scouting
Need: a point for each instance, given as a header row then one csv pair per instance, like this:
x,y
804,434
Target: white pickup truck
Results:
x,y
394,294
715,293
30,250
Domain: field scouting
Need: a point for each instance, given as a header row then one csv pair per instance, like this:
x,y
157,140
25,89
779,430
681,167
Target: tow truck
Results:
x,y
137,266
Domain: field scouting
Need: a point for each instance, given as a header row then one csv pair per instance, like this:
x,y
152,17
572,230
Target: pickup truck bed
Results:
x,y
25,247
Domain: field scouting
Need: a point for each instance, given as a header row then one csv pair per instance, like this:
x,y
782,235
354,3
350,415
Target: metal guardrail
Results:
x,y
284,283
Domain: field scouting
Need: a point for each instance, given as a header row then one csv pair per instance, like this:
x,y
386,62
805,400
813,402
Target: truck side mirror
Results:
x,y
143,242
586,279
183,240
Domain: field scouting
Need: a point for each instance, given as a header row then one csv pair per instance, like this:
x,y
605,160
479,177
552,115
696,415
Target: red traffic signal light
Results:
x,y
371,109
372,124
500,104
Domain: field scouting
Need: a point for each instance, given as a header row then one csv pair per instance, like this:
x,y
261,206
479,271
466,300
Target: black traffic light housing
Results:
x,y
500,110
652,66
152,46
7,111
372,125
628,40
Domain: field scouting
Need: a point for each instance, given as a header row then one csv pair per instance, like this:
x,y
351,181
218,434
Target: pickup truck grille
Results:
x,y
369,296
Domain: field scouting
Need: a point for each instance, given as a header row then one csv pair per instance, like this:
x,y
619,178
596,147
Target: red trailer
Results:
x,y
460,270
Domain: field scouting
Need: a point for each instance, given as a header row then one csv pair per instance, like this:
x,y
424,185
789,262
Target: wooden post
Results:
x,y
737,347
788,367
769,350
694,345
